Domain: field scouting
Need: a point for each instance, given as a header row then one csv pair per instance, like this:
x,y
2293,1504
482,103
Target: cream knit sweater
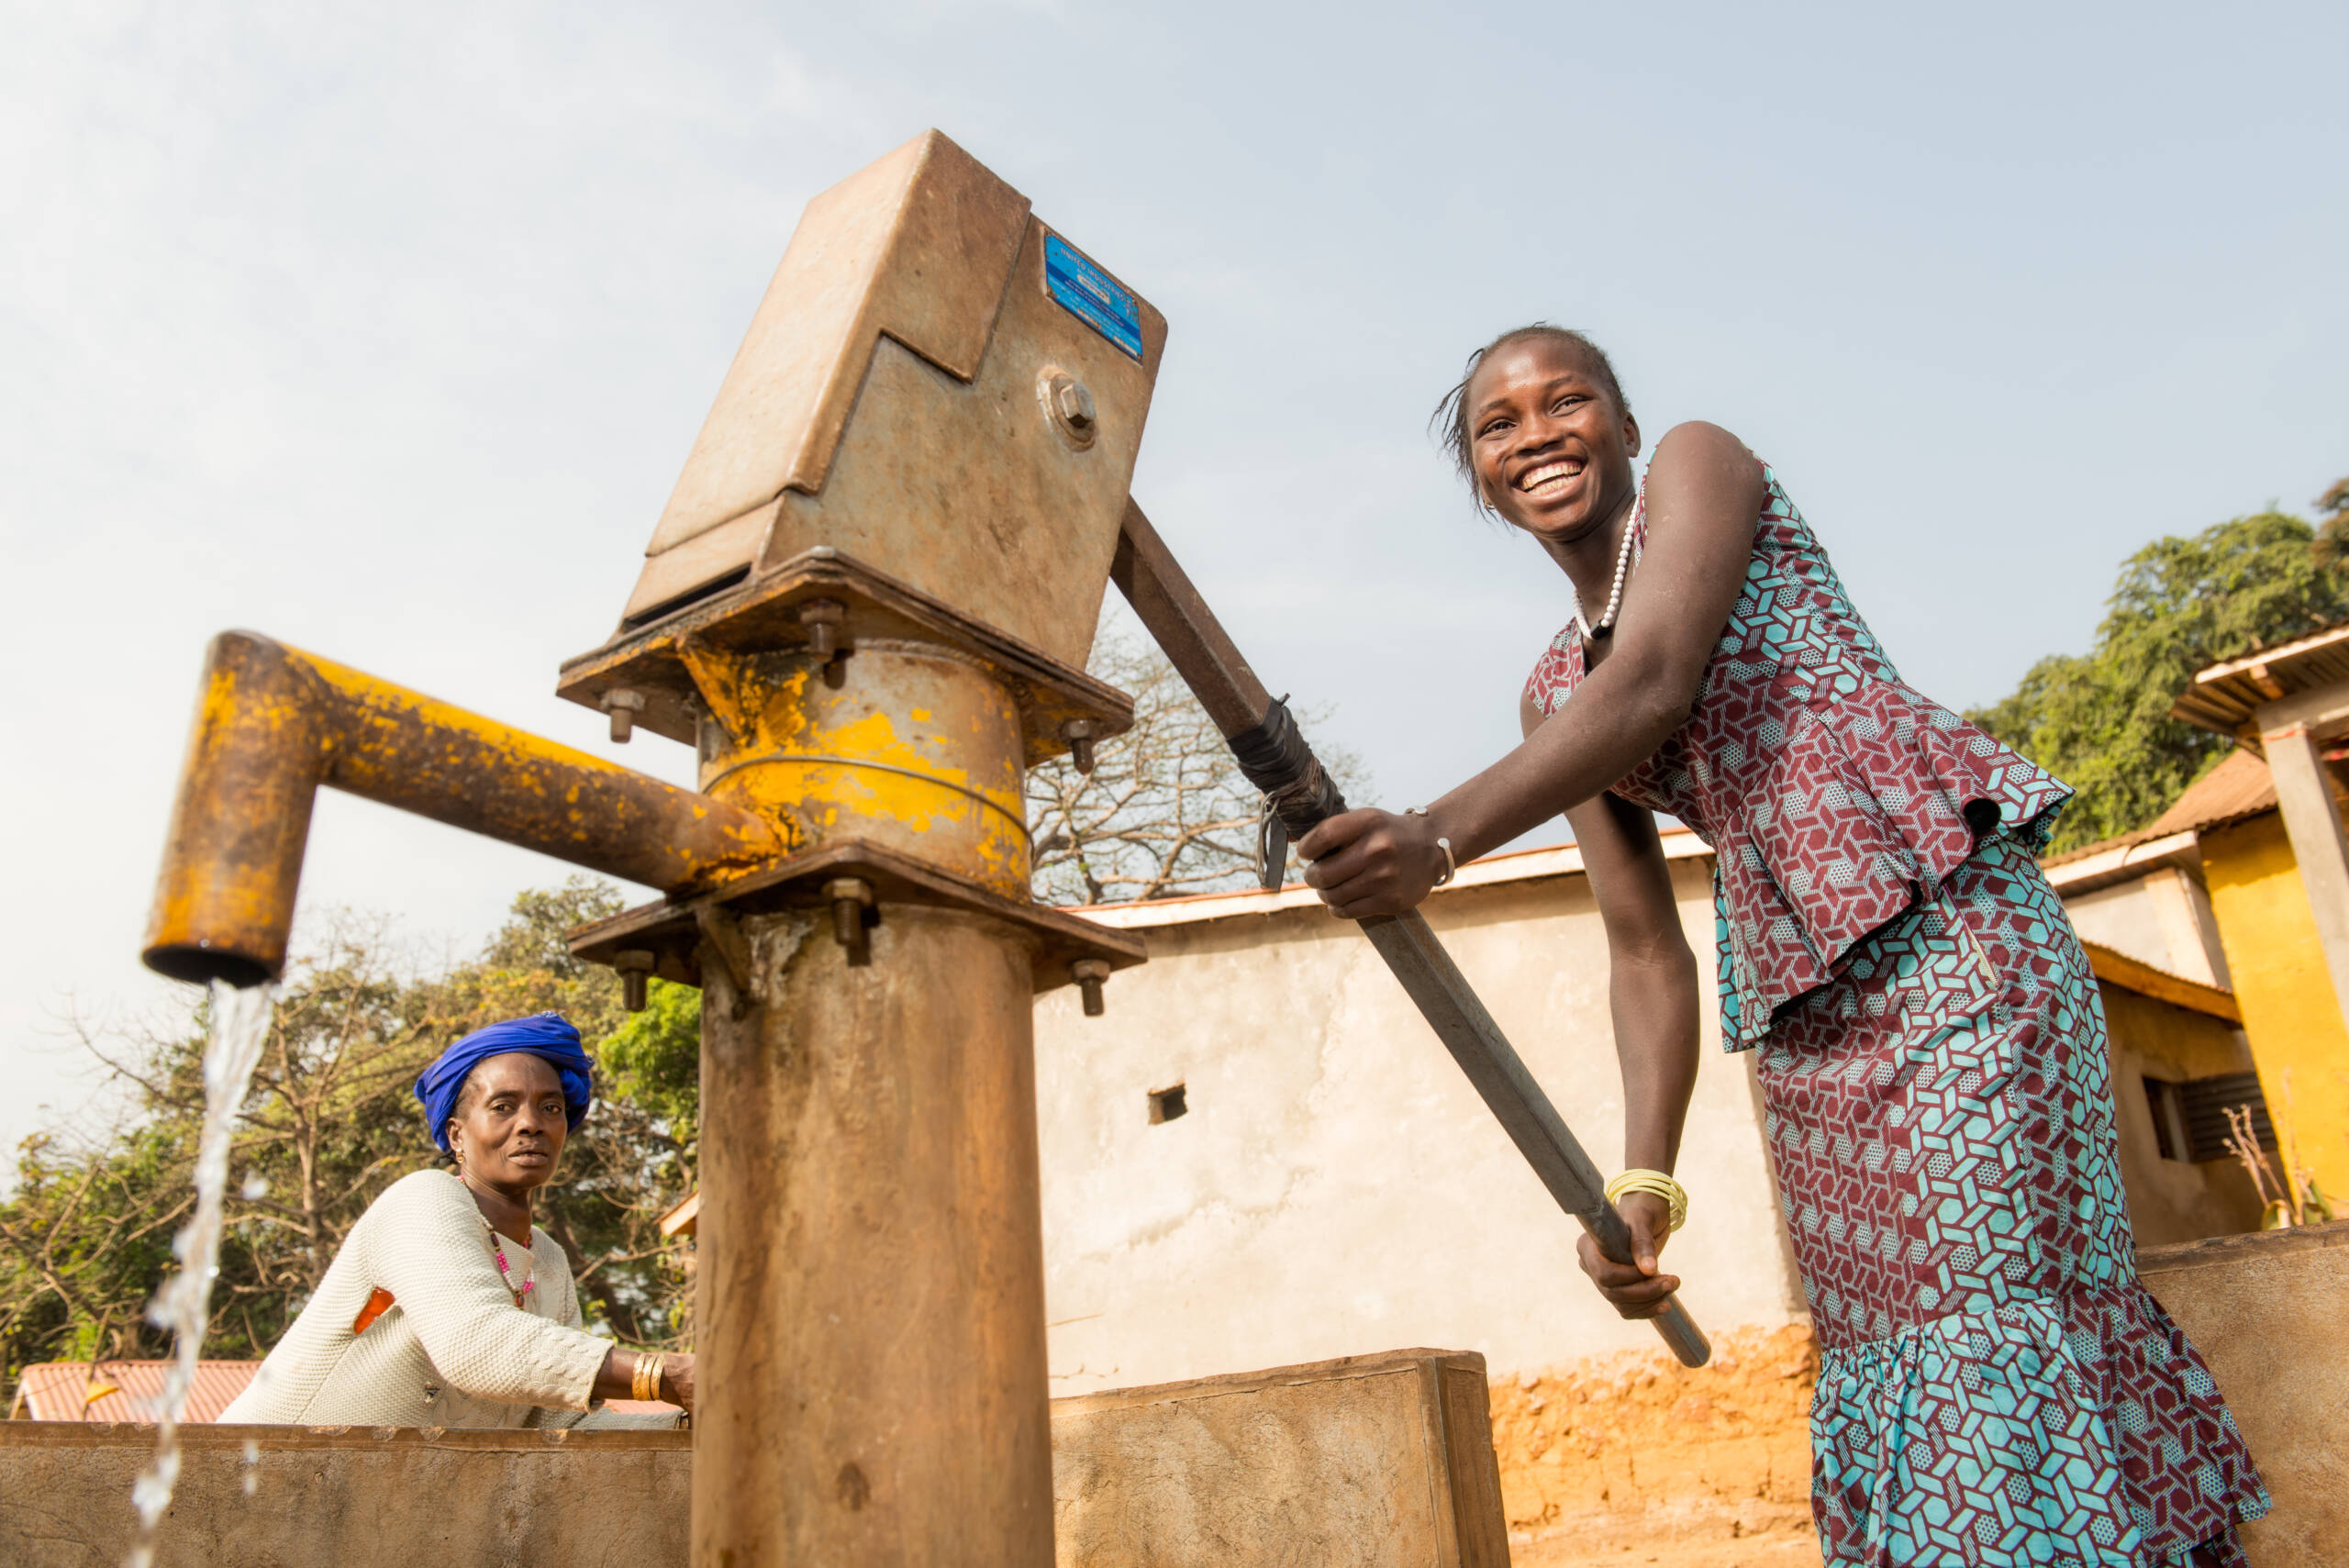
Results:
x,y
453,1350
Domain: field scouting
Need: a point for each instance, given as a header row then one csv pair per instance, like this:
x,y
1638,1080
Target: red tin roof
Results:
x,y
126,1391
122,1391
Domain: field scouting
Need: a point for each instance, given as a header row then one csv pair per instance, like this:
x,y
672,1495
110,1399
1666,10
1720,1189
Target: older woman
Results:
x,y
446,1307
1996,1387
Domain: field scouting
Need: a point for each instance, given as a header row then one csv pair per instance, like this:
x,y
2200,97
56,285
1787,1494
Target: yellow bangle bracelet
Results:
x,y
1656,1184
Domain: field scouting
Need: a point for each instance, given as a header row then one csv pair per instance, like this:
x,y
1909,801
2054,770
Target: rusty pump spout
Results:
x,y
273,723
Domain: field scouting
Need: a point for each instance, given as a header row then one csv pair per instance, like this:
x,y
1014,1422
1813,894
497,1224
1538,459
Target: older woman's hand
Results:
x,y
617,1380
677,1381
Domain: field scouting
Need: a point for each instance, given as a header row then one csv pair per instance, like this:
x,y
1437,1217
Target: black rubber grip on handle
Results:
x,y
1276,758
1298,796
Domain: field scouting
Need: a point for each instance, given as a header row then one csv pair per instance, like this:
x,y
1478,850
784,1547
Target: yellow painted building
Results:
x,y
2297,1037
2221,861
2277,863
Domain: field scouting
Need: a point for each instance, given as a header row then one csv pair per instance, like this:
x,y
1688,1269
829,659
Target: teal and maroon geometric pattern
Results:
x,y
1996,1386
1832,794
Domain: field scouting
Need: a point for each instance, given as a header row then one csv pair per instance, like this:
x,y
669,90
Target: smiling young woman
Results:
x,y
1996,1386
445,1305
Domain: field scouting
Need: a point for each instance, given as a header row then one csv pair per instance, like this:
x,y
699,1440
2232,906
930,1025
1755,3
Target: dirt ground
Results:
x,y
1634,1460
1782,1543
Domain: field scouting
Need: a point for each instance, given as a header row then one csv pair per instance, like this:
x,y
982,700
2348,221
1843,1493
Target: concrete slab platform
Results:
x,y
356,1497
1370,1461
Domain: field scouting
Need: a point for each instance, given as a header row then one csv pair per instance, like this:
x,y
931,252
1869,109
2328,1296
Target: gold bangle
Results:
x,y
1656,1184
637,1382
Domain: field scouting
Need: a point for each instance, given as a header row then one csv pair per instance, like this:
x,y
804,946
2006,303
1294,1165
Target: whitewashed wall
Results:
x,y
1335,1186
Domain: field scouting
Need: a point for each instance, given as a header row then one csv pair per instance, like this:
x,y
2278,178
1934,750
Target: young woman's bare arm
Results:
x,y
1651,996
1705,495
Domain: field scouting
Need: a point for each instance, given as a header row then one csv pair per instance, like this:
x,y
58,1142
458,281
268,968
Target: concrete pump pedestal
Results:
x,y
872,1266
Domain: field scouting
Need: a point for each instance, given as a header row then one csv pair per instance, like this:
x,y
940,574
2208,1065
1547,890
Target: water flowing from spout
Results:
x,y
240,1027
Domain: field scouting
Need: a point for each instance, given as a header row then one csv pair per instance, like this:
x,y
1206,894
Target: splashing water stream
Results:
x,y
240,1027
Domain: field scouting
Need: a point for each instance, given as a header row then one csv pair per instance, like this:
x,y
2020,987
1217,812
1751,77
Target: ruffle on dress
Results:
x,y
2040,1434
1866,800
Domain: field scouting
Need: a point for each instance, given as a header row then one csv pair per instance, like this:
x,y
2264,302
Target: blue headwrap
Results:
x,y
547,1035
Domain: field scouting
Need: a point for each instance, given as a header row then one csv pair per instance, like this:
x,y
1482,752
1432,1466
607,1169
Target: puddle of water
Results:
x,y
239,1028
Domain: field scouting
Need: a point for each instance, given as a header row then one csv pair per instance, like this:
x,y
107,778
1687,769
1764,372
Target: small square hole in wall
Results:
x,y
1165,1104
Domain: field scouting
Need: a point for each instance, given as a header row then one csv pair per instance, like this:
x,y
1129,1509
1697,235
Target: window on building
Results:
x,y
2190,1117
1165,1104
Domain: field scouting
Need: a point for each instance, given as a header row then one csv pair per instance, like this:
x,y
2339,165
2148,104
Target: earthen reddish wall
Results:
x,y
1635,1449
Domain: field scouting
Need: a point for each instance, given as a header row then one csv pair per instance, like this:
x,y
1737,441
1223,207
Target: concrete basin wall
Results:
x,y
1361,1462
1373,1461
386,1498
2269,1312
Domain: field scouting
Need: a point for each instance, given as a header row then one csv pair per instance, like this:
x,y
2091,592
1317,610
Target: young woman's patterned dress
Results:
x,y
1995,1387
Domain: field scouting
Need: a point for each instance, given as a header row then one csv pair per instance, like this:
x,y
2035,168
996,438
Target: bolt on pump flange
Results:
x,y
635,967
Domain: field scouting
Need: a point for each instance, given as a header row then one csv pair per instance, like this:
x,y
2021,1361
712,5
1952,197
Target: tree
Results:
x,y
1166,809
2100,721
85,1243
90,1226
2331,548
324,1130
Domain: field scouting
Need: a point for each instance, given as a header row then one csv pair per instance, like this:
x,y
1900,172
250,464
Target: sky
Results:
x,y
385,330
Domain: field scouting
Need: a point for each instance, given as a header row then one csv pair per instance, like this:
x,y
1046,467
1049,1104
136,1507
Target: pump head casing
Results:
x,y
936,386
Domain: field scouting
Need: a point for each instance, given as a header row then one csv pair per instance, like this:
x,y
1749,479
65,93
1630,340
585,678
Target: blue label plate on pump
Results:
x,y
1084,290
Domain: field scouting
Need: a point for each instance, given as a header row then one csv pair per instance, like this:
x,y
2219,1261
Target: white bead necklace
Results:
x,y
1614,599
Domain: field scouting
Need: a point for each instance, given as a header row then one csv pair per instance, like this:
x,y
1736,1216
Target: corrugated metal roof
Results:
x,y
684,1217
122,1391
127,1391
2238,787
2119,860
2118,968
